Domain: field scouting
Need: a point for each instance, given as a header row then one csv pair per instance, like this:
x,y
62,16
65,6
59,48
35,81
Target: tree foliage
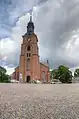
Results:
x,y
63,74
54,74
4,78
76,73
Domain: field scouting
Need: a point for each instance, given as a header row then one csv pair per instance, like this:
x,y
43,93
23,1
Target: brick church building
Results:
x,y
30,68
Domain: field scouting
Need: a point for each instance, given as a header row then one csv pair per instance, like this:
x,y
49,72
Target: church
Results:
x,y
30,68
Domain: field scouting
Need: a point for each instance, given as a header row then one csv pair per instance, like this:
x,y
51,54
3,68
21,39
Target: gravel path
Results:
x,y
39,101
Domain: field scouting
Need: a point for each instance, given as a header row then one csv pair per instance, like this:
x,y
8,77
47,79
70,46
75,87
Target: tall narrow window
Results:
x,y
43,76
28,64
28,48
27,54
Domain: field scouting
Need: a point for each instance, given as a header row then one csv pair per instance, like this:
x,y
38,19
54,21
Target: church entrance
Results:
x,y
28,79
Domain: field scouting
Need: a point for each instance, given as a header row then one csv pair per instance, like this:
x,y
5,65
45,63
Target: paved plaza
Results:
x,y
39,101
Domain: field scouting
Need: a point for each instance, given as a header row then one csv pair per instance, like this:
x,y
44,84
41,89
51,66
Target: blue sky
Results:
x,y
8,17
5,24
56,24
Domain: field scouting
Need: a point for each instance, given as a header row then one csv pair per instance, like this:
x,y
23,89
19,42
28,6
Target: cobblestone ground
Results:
x,y
39,101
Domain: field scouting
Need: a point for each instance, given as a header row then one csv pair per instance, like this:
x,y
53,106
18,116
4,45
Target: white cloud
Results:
x,y
6,48
10,47
9,70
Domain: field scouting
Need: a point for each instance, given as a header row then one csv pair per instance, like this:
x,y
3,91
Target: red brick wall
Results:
x,y
45,69
13,75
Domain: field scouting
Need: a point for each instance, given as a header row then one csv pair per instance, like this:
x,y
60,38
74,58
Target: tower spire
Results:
x,y
30,25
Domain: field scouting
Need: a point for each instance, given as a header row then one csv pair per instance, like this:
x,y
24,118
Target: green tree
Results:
x,y
76,73
54,73
64,74
4,78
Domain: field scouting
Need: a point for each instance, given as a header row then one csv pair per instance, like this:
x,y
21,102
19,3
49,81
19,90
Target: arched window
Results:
x,y
28,48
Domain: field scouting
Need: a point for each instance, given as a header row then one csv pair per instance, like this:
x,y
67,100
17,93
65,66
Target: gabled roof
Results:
x,y
46,65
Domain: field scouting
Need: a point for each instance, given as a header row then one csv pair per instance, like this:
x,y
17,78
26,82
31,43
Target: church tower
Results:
x,y
29,66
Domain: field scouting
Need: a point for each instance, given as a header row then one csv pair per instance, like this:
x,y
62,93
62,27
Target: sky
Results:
x,y
56,25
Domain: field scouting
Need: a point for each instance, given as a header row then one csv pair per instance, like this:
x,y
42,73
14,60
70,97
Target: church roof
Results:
x,y
33,34
45,64
30,23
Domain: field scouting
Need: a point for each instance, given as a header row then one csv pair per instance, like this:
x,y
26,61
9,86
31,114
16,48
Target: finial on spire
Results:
x,y
30,16
47,61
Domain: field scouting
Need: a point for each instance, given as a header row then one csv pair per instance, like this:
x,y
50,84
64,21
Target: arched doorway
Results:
x,y
28,79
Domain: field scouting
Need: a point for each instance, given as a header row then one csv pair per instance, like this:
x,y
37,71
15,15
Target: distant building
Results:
x,y
30,67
